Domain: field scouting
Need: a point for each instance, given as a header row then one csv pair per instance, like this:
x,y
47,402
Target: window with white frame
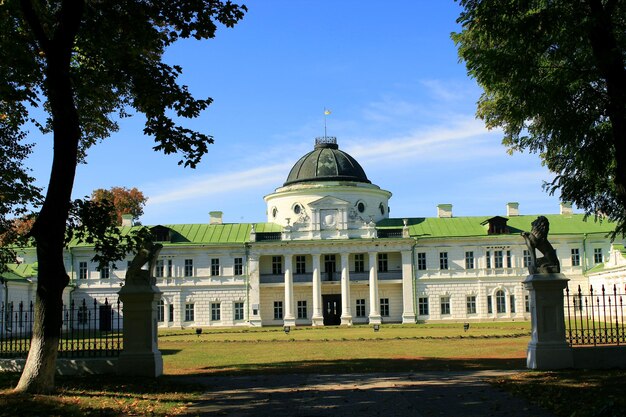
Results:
x,y
469,260
238,310
82,270
359,262
444,302
277,265
161,311
575,253
527,303
526,258
238,268
384,307
159,268
421,261
497,259
489,305
171,308
597,256
443,260
216,311
383,262
360,307
512,302
278,310
422,306
302,313
471,304
188,271
170,268
509,260
488,259
190,311
105,272
500,302
215,267
300,264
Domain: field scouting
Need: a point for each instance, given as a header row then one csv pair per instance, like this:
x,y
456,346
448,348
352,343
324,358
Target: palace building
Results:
x,y
330,254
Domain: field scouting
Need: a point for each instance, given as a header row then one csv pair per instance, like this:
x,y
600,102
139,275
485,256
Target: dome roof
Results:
x,y
326,163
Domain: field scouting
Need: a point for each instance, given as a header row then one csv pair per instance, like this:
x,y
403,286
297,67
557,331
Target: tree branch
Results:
x,y
33,21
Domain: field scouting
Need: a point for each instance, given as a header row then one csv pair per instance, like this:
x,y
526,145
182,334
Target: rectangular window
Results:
x,y
216,311
161,311
489,305
105,273
360,307
445,305
238,269
421,261
190,309
488,259
422,304
171,312
300,264
597,255
575,257
238,310
469,260
471,304
383,264
188,272
277,265
359,262
215,267
170,267
159,268
500,302
512,302
526,258
509,262
384,307
278,310
497,259
443,260
302,313
82,270
527,303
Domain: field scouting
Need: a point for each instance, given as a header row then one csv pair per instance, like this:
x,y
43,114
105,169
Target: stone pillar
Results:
x,y
408,310
254,281
141,356
318,317
289,319
346,314
547,348
374,316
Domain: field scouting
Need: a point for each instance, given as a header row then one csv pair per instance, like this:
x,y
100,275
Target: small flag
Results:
x,y
326,112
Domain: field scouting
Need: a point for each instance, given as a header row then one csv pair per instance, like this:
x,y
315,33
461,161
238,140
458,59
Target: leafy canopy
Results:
x,y
124,200
550,71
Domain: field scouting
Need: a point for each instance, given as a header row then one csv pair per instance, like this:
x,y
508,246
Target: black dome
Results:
x,y
326,163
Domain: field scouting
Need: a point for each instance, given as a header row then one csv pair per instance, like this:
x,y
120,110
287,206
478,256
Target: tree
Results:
x,y
554,80
86,63
124,200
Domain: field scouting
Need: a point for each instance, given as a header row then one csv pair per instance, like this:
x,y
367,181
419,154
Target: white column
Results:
x,y
408,312
374,316
318,317
289,319
166,312
346,315
254,281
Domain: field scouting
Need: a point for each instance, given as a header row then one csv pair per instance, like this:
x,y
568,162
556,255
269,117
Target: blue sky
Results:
x,y
401,104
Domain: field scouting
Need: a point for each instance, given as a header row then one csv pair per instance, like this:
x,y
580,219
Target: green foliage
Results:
x,y
555,90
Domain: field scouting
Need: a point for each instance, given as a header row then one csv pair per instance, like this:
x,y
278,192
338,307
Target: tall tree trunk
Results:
x,y
49,228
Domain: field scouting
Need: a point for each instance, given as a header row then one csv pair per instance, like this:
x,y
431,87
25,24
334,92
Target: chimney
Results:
x,y
215,217
127,219
512,209
566,208
444,210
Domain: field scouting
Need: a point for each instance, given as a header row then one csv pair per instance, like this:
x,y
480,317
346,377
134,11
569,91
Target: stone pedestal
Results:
x,y
141,356
547,348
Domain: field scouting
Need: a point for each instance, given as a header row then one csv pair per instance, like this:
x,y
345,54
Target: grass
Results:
x,y
395,348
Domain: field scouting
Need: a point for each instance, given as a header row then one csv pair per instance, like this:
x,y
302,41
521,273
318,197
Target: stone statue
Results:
x,y
537,238
149,252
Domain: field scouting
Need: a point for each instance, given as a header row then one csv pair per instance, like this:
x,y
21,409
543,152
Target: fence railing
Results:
x,y
89,329
595,317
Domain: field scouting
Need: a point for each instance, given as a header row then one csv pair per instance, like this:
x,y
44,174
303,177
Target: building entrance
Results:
x,y
332,309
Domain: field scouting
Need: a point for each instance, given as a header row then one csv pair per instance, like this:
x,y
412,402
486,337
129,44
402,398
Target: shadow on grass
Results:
x,y
366,366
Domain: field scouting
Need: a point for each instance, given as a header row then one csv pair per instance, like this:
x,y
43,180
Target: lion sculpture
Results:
x,y
537,238
148,253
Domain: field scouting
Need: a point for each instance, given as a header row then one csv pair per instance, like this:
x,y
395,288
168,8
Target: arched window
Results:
x,y
500,302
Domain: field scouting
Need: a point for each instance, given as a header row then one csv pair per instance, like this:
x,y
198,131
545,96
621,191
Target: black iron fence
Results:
x,y
595,317
89,329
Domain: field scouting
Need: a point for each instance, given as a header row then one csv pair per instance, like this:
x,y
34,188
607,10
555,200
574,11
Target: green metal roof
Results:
x,y
19,272
435,227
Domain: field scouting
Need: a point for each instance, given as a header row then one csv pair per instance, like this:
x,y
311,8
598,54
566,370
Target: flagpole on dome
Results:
x,y
326,113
